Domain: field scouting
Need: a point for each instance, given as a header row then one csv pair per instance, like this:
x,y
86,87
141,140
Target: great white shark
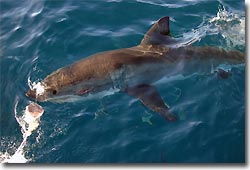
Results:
x,y
134,70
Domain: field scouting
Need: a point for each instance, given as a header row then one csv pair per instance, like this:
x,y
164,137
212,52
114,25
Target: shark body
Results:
x,y
134,70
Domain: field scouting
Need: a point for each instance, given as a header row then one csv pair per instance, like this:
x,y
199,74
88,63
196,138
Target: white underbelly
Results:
x,y
75,98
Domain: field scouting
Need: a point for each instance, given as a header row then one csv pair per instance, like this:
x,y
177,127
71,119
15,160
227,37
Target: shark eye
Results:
x,y
54,91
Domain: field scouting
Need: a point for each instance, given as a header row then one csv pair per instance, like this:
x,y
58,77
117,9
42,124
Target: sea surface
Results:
x,y
38,37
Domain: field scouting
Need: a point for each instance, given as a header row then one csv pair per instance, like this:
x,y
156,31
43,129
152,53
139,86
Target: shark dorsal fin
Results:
x,y
158,34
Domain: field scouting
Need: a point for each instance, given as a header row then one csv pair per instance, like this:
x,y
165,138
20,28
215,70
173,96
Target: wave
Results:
x,y
231,26
173,4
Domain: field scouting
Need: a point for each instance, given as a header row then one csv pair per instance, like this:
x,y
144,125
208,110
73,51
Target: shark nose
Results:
x,y
31,94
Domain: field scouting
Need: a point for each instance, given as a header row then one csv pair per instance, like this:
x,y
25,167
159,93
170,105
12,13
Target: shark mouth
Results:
x,y
71,97
84,91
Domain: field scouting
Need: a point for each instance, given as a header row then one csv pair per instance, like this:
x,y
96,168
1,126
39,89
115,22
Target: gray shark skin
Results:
x,y
134,70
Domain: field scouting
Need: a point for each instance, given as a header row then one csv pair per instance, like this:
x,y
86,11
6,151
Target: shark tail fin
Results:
x,y
158,34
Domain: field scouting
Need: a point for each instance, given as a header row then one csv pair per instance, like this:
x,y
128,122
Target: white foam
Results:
x,y
39,87
28,124
231,26
16,158
31,121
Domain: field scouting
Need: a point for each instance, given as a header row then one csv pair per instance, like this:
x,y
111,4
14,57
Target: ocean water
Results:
x,y
38,37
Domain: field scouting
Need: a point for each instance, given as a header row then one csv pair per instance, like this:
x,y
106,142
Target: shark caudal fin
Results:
x,y
158,34
150,97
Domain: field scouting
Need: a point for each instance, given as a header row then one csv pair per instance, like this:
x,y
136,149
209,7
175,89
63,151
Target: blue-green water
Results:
x,y
38,37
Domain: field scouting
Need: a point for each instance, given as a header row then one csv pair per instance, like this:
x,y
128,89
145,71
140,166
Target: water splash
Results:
x,y
230,25
194,35
38,86
28,124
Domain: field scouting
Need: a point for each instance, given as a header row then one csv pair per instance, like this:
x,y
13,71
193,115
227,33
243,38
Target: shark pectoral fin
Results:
x,y
159,33
150,97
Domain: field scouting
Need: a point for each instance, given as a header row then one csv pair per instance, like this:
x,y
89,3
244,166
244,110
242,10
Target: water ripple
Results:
x,y
38,37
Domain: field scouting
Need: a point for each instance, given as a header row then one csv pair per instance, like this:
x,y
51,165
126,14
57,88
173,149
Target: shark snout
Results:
x,y
32,94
